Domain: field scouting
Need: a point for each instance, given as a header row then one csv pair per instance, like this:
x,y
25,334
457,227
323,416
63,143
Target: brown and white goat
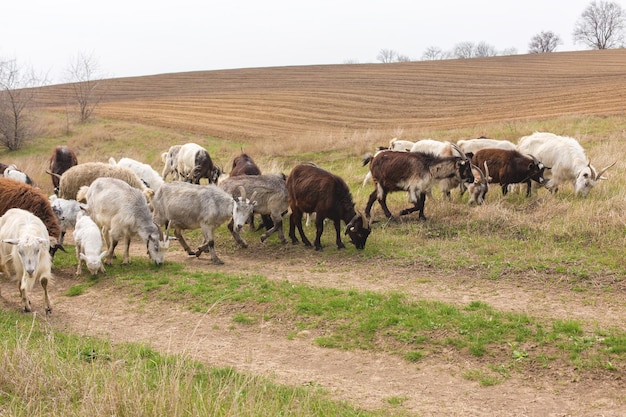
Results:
x,y
415,172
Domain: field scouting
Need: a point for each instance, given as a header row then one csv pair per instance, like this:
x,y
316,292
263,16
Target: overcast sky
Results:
x,y
138,37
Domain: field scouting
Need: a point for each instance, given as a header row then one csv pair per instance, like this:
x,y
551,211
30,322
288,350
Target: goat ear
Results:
x,y
11,241
103,254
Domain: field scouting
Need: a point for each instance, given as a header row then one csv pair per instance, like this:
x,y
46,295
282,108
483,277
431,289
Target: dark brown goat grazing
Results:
x,y
243,164
62,159
510,167
314,190
15,194
415,172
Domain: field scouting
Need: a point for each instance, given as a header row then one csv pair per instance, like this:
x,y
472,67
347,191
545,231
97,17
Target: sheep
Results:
x,y
62,159
184,206
88,241
314,190
194,163
24,243
12,172
121,211
15,194
170,163
145,172
271,197
85,173
566,159
415,172
66,211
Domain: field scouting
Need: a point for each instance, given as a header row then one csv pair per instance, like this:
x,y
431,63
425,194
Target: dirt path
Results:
x,y
433,387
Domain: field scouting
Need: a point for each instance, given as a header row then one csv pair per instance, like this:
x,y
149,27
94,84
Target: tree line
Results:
x,y
600,26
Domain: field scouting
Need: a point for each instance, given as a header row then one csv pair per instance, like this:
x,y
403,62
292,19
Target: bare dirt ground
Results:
x,y
432,387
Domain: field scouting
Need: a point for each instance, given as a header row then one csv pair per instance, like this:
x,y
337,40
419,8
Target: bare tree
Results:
x,y
601,25
402,58
483,49
17,95
463,50
83,74
386,56
432,53
544,42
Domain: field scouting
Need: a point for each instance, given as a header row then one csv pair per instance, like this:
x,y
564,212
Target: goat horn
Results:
x,y
603,170
480,171
242,192
456,148
486,172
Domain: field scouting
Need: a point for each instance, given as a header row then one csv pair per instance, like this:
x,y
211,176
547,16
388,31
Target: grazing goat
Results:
x,y
170,163
15,194
243,164
145,172
12,172
184,206
194,163
510,167
85,173
24,243
88,241
314,190
415,172
475,145
62,159
443,149
66,211
121,211
271,197
566,159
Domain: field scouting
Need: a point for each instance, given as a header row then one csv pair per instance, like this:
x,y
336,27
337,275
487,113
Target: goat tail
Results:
x,y
367,158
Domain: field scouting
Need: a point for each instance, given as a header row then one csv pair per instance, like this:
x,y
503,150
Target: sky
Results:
x,y
140,37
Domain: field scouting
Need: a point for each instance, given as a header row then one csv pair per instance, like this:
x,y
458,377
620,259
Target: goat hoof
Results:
x,y
217,261
198,253
48,311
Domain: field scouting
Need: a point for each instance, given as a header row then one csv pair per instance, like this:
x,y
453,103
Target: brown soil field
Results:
x,y
277,107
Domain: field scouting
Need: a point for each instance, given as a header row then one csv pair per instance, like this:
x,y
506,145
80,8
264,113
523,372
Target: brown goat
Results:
x,y
510,167
62,159
243,164
314,190
15,194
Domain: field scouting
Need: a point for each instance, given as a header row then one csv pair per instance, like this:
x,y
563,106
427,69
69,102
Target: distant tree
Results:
x,y
432,53
84,78
463,50
601,25
543,42
483,49
402,58
17,96
509,51
386,56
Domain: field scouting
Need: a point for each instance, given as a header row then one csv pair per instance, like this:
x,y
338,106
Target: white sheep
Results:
x,y
24,254
88,240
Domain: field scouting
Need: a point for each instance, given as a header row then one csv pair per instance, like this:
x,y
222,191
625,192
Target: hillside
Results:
x,y
293,102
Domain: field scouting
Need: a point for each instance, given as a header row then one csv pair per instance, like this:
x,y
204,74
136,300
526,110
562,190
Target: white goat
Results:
x,y
475,145
184,206
121,211
566,160
396,144
88,241
145,172
24,244
12,172
66,211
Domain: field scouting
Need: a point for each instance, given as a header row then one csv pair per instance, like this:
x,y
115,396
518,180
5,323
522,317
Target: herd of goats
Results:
x,y
108,202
